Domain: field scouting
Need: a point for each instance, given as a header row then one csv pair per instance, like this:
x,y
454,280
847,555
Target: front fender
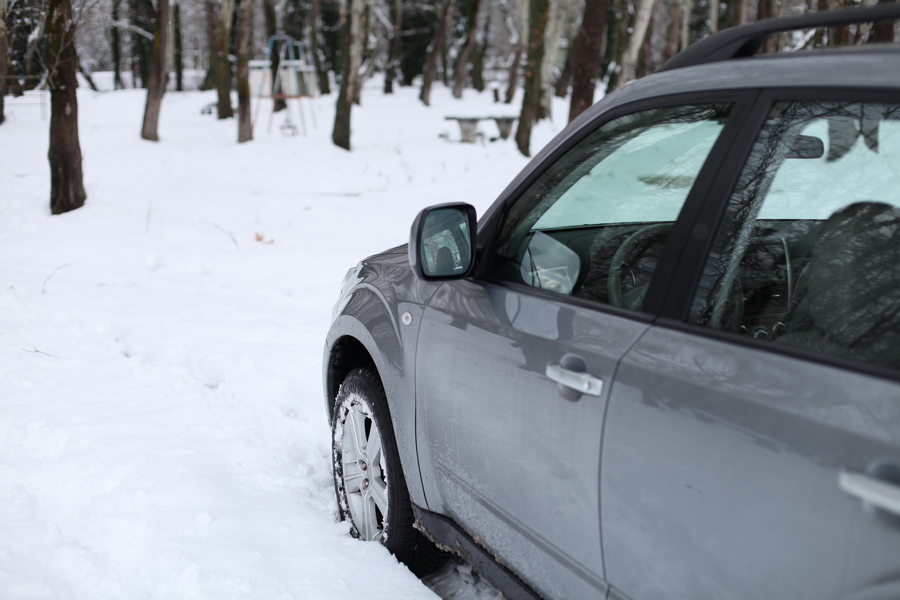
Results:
x,y
368,329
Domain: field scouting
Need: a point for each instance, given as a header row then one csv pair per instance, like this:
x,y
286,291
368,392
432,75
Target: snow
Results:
x,y
162,425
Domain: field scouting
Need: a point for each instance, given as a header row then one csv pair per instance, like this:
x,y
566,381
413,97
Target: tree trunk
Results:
x,y
4,56
351,56
512,78
882,31
461,73
672,32
437,48
209,9
179,50
66,180
477,61
644,66
687,8
271,18
537,23
739,12
393,61
362,51
587,51
552,33
116,47
565,78
314,9
713,16
223,67
156,86
635,40
624,22
521,46
245,127
142,12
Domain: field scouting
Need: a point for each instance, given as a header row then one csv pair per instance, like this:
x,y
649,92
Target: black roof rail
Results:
x,y
745,40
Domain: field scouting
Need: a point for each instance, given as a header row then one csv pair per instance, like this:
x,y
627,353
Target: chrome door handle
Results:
x,y
581,382
871,490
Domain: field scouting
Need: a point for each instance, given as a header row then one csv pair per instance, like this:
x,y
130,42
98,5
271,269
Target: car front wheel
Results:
x,y
368,477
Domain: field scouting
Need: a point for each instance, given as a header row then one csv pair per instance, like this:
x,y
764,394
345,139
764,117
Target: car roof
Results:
x,y
874,68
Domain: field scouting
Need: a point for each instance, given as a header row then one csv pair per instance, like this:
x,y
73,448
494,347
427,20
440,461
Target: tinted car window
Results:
x,y
809,252
595,223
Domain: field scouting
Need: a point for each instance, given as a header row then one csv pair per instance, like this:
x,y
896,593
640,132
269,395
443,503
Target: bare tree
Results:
x,y
393,61
739,10
434,53
635,40
557,15
209,13
521,47
537,23
245,127
179,48
351,59
587,52
673,30
271,18
219,55
116,46
713,16
66,178
365,25
687,7
156,84
4,56
622,14
314,46
561,87
461,73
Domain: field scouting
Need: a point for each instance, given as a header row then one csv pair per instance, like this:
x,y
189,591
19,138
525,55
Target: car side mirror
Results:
x,y
441,244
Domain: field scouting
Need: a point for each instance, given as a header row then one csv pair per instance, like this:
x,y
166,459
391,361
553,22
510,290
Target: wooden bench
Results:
x,y
468,126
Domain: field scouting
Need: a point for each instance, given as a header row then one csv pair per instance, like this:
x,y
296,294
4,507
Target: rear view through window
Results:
x,y
809,252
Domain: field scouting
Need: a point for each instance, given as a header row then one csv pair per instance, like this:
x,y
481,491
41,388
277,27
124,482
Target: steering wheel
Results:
x,y
639,244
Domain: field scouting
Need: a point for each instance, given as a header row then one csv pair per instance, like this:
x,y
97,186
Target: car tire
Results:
x,y
368,477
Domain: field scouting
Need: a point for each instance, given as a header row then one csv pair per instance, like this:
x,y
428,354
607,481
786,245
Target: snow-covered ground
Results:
x,y
162,425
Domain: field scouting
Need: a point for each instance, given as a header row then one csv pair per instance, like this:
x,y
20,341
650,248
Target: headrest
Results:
x,y
854,274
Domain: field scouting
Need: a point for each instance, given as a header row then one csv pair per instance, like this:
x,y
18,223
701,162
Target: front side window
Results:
x,y
594,225
809,252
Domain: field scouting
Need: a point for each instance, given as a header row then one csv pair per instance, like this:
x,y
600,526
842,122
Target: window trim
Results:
x,y
743,100
793,352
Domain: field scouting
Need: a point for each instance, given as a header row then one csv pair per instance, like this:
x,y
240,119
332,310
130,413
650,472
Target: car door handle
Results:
x,y
581,382
871,490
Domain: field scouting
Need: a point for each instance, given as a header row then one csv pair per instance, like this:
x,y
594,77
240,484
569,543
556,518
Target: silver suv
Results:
x,y
666,362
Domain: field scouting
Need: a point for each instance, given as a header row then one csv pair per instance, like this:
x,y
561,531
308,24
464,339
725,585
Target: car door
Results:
x,y
513,366
753,451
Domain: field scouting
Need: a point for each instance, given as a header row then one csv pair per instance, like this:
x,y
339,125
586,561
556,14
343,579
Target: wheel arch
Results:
x,y
347,353
353,343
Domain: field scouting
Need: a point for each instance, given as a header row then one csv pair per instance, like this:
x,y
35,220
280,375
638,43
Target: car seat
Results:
x,y
851,305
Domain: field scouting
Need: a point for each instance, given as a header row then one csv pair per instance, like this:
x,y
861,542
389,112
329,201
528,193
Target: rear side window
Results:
x,y
809,252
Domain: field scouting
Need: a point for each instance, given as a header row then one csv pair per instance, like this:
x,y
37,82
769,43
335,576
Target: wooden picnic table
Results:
x,y
468,125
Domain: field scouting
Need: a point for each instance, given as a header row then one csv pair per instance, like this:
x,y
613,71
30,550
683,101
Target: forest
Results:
x,y
567,48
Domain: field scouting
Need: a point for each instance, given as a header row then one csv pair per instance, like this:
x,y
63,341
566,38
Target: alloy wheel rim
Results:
x,y
365,480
